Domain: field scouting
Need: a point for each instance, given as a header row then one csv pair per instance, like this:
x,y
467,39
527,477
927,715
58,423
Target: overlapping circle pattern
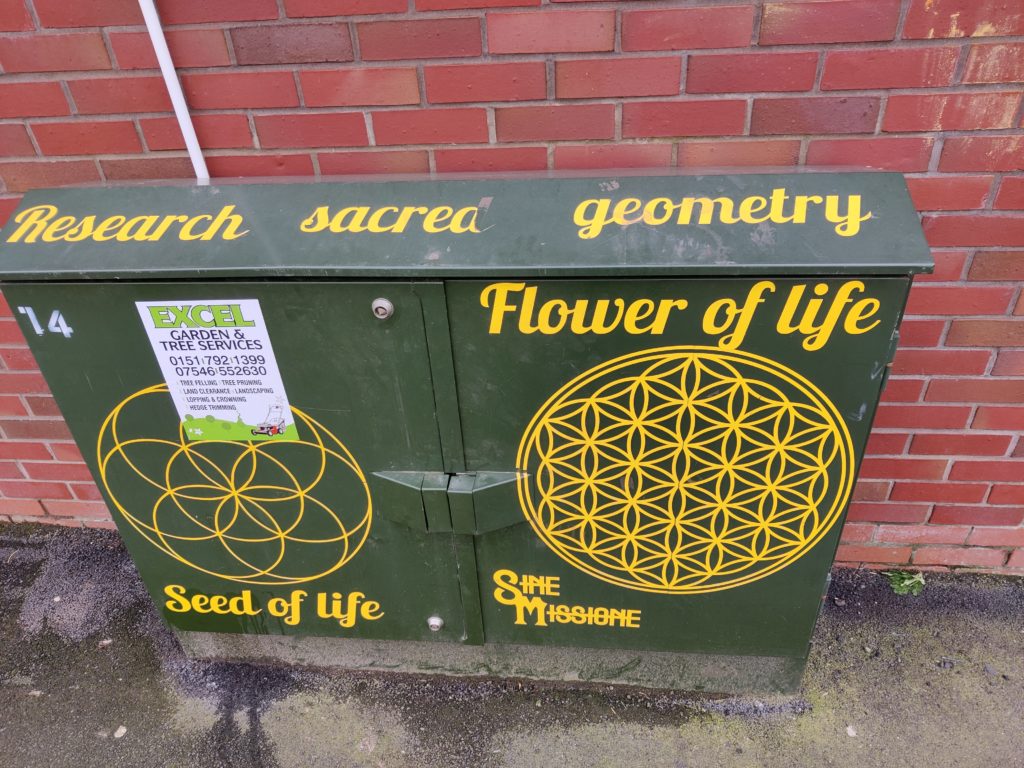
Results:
x,y
256,512
685,469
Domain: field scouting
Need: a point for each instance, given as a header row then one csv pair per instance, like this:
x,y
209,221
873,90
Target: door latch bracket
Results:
x,y
437,502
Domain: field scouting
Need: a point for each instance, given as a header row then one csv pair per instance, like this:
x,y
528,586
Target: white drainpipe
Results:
x,y
163,56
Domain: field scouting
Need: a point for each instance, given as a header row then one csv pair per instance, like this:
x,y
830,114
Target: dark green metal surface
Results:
x,y
366,382
645,439
526,228
504,379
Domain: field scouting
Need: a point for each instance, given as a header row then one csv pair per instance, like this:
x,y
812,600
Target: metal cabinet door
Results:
x,y
311,530
673,493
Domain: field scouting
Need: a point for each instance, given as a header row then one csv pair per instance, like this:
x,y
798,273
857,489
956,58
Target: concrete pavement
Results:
x,y
90,676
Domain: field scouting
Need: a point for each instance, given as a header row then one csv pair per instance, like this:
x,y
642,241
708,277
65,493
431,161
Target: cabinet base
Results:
x,y
702,673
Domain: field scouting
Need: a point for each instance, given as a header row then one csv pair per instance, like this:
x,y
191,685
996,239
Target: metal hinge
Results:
x,y
439,502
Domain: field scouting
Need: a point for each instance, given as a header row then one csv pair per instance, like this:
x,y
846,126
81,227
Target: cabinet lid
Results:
x,y
596,226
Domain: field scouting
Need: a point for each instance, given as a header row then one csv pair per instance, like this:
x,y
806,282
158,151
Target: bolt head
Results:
x,y
382,309
435,623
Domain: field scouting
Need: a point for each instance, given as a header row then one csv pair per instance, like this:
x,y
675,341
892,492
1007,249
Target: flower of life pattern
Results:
x,y
685,469
255,512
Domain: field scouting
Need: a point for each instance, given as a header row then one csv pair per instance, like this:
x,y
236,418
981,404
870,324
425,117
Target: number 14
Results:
x,y
56,324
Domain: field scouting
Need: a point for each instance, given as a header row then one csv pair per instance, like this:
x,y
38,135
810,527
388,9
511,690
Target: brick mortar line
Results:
x,y
989,283
883,107
987,496
483,12
421,85
486,56
948,470
492,130
99,170
73,75
954,457
724,139
503,57
353,38
956,376
72,106
990,197
673,98
1007,213
142,139
1012,132
1018,119
53,160
819,72
966,459
755,28
229,44
179,154
960,68
901,19
109,47
254,134
657,98
32,139
968,265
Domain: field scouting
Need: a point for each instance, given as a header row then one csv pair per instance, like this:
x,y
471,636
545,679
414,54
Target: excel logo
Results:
x,y
199,316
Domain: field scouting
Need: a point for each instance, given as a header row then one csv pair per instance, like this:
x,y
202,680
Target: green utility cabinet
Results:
x,y
612,413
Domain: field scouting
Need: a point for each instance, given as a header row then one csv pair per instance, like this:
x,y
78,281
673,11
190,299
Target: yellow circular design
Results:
x,y
685,469
255,512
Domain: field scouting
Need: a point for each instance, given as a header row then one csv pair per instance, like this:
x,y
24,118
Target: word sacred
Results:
x,y
526,594
592,216
41,222
388,218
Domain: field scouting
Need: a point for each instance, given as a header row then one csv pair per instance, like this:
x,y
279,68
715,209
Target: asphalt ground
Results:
x,y
90,676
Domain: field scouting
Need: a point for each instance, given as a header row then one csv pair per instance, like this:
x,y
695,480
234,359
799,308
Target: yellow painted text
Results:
x,y
43,223
237,605
592,216
515,590
580,316
347,609
364,218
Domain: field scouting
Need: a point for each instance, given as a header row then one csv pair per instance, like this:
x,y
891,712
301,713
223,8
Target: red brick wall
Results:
x,y
931,88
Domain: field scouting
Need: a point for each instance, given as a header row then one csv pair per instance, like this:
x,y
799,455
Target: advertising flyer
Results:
x,y
220,368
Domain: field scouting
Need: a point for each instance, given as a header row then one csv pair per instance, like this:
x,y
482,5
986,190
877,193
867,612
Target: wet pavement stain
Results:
x,y
91,676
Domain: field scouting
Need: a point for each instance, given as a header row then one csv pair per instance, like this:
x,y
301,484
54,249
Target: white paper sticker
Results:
x,y
219,365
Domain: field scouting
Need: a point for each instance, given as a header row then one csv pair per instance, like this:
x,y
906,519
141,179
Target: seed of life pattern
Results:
x,y
685,469
254,512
